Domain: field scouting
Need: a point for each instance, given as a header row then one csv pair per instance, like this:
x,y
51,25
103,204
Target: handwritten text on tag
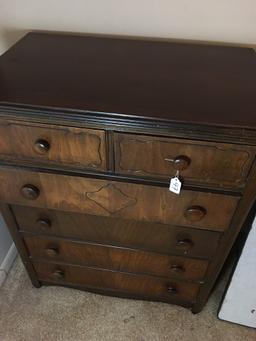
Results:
x,y
175,185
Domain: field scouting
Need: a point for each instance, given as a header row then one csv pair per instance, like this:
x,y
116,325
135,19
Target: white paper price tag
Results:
x,y
175,185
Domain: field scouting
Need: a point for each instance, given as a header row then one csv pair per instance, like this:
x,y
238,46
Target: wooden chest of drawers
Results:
x,y
91,132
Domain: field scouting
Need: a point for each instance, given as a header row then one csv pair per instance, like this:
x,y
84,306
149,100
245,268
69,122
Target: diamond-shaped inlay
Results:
x,y
111,198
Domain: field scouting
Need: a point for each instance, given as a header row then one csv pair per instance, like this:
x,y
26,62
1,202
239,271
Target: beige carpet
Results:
x,y
54,313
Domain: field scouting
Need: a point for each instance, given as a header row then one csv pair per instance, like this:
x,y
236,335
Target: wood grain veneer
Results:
x,y
91,131
115,258
117,231
115,199
224,164
64,146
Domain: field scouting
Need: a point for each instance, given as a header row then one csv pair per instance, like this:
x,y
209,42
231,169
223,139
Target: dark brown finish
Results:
x,y
226,165
118,232
173,81
93,183
30,192
58,274
42,146
195,213
172,289
180,162
43,223
117,199
57,145
115,258
51,252
184,244
178,269
145,286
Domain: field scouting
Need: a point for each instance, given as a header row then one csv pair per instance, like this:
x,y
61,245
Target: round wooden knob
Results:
x,y
195,213
184,244
52,251
30,192
58,274
42,146
44,223
181,162
171,289
177,269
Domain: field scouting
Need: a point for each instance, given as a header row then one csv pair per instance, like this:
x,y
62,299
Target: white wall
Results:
x,y
218,20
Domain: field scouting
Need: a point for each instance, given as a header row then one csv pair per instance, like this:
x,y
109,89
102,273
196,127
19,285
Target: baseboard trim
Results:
x,y
7,263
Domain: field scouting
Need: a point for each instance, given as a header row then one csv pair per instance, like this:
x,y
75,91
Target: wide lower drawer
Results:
x,y
221,164
117,199
119,232
139,285
51,144
115,258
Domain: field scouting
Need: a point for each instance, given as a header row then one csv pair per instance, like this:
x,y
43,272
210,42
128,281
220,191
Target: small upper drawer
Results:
x,y
59,145
219,164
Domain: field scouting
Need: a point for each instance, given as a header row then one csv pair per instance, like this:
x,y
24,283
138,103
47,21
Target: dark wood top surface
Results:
x,y
172,81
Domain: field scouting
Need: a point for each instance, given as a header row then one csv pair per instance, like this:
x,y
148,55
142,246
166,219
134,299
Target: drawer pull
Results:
x,y
178,269
180,163
44,223
184,244
195,213
30,192
42,146
58,274
52,251
171,289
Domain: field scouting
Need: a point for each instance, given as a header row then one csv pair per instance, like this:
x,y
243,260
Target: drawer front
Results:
x,y
118,232
139,285
221,164
73,147
117,199
118,259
